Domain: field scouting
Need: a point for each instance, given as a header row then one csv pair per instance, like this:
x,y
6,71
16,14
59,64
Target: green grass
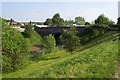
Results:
x,y
55,55
0,76
107,36
98,61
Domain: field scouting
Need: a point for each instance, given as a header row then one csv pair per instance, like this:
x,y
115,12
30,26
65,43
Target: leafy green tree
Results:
x,y
69,23
49,43
99,29
15,49
69,39
48,22
35,38
57,20
79,20
32,35
102,19
28,30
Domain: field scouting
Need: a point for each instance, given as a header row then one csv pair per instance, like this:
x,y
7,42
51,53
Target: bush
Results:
x,y
49,43
103,26
69,39
28,30
34,37
99,29
15,49
102,19
92,32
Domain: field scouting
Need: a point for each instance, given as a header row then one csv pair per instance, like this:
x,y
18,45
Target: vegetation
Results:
x,y
87,24
94,51
48,22
79,20
15,50
49,43
57,20
95,62
0,48
28,30
101,26
32,35
69,39
11,21
102,19
69,23
54,55
35,38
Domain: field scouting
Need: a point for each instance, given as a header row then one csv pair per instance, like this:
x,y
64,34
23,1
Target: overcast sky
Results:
x,y
39,11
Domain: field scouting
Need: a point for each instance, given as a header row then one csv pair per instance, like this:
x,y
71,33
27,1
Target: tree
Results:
x,y
49,43
69,23
48,22
32,35
28,30
15,49
11,21
69,39
111,23
102,19
57,20
79,20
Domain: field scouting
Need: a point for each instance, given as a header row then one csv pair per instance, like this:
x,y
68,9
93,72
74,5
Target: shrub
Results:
x,y
92,32
49,43
14,50
34,37
99,29
28,30
102,26
102,19
69,39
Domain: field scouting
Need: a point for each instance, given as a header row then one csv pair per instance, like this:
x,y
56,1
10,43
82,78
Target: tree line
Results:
x,y
57,21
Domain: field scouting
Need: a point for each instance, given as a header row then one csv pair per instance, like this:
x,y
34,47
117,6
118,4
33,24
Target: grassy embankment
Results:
x,y
96,61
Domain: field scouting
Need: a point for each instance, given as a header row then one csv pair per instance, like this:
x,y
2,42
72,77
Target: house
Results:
x,y
17,26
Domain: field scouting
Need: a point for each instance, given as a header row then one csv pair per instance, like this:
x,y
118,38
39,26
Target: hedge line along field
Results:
x,y
95,62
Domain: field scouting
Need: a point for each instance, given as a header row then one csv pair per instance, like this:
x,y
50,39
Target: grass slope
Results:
x,y
95,62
